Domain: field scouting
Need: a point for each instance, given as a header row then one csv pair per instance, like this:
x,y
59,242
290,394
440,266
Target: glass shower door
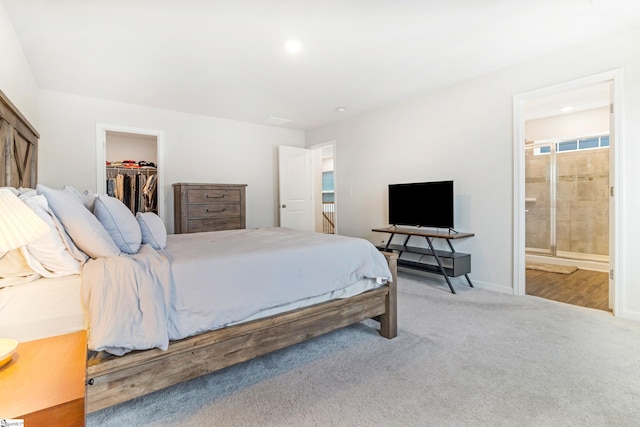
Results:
x,y
540,199
567,199
582,201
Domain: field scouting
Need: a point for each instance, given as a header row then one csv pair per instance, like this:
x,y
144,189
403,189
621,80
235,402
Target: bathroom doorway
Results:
x,y
567,196
565,212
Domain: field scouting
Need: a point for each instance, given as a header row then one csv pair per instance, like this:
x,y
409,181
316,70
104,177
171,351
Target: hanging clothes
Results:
x,y
134,187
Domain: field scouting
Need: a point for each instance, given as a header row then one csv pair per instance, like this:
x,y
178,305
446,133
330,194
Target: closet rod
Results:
x,y
120,168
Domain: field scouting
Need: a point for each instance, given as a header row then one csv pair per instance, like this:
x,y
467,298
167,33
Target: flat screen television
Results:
x,y
423,204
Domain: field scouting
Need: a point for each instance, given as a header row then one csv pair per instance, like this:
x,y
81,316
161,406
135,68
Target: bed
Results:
x,y
117,371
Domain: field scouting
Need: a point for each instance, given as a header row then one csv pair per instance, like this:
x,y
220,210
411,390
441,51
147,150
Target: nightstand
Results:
x,y
45,382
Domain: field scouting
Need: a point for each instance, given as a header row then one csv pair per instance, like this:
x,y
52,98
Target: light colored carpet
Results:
x,y
551,268
477,358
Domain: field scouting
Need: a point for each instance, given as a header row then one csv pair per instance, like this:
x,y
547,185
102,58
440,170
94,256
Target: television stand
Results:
x,y
458,263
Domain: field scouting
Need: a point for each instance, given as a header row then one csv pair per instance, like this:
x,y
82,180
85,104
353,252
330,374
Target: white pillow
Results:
x,y
12,189
14,269
26,192
153,230
86,198
49,256
83,227
119,222
41,204
13,264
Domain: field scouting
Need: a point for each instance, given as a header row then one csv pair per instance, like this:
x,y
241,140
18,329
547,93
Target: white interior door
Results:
x,y
296,188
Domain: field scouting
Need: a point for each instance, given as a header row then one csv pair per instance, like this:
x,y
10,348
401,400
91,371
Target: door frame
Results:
x,y
615,77
101,157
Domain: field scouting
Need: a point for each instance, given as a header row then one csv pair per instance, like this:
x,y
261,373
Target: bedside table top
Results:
x,y
44,373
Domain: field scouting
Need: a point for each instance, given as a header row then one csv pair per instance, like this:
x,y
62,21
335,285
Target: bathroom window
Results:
x,y
588,143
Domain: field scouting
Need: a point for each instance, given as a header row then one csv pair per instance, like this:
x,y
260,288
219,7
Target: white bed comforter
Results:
x,y
127,301
205,281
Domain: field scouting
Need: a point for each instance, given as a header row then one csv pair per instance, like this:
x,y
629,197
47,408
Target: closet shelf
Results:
x,y
127,169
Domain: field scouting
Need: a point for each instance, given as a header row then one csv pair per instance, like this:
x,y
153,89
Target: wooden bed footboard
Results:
x,y
113,380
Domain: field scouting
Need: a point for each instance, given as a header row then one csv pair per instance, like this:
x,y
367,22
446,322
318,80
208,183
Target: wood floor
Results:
x,y
582,287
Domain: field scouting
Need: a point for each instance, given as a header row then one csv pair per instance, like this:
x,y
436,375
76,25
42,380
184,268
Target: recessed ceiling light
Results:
x,y
293,46
566,109
341,109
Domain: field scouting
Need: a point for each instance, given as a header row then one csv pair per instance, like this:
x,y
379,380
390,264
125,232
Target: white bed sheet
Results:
x,y
359,287
52,306
43,308
227,277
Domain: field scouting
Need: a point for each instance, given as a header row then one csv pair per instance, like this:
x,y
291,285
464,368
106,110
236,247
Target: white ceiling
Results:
x,y
225,58
587,98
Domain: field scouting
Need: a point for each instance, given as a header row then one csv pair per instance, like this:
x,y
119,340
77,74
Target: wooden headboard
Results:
x,y
19,147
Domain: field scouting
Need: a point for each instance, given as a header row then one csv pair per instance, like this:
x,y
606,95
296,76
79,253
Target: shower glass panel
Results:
x,y
539,195
567,199
582,206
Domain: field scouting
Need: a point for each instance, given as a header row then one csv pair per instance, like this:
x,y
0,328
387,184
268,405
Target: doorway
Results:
x,y
323,159
564,211
114,142
307,188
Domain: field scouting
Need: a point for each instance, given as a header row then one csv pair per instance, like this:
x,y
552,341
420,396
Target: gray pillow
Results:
x,y
153,230
82,226
119,222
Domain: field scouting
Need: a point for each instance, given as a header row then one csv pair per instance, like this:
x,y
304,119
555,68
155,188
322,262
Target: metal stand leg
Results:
x,y
466,275
444,273
386,247
468,280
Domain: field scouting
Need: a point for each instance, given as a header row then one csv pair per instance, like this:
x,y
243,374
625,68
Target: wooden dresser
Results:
x,y
208,207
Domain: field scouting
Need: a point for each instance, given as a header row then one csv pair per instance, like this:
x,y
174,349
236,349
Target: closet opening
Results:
x,y
129,165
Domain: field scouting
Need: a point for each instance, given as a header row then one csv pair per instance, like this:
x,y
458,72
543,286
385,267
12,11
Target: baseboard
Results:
x,y
493,287
460,281
630,315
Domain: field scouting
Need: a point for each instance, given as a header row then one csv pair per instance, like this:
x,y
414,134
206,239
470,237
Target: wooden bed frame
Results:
x,y
116,379
19,147
112,379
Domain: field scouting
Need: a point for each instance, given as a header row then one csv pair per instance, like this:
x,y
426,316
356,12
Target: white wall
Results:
x,y
197,149
583,123
16,78
464,133
128,146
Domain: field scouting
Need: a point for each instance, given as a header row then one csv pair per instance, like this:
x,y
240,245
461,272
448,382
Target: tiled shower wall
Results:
x,y
582,205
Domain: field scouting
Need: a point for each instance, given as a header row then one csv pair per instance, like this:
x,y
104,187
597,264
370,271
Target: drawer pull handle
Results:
x,y
207,196
221,210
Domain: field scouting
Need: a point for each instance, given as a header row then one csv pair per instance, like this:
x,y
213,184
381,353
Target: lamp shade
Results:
x,y
19,225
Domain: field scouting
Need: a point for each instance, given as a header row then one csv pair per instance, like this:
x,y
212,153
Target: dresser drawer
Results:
x,y
213,224
203,195
214,210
